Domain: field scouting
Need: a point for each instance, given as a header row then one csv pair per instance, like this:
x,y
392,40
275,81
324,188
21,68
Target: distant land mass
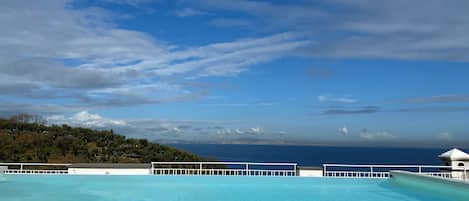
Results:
x,y
27,138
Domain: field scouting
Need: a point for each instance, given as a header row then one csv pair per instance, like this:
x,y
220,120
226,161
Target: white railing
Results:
x,y
382,171
35,172
448,175
23,168
223,168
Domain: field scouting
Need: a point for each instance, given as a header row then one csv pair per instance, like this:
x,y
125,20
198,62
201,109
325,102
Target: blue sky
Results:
x,y
336,72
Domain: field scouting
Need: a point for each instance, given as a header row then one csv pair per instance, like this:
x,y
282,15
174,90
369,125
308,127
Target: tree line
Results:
x,y
28,138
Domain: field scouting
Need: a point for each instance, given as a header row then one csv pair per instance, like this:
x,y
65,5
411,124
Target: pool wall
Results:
x,y
109,171
450,188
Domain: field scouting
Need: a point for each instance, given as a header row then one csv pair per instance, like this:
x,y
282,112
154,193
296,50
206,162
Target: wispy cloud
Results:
x,y
237,131
89,60
324,98
186,12
343,130
228,22
445,136
8,109
435,109
268,11
378,136
86,119
452,98
134,3
368,29
261,104
161,129
359,110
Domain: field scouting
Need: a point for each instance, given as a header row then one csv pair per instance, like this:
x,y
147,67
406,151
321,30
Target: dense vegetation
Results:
x,y
27,138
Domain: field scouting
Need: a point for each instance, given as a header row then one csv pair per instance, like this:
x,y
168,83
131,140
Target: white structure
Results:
x,y
310,171
2,171
109,169
3,168
457,160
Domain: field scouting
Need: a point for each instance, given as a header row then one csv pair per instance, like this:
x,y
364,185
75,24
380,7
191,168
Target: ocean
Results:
x,y
315,155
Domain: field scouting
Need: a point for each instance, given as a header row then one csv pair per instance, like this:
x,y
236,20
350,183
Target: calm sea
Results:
x,y
314,155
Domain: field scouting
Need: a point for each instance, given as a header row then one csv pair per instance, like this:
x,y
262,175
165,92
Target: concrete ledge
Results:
x,y
110,169
457,190
111,165
398,173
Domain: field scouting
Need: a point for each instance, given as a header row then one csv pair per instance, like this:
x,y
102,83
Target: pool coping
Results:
x,y
433,178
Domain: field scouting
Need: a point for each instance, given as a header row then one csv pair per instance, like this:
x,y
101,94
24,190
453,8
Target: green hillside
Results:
x,y
26,138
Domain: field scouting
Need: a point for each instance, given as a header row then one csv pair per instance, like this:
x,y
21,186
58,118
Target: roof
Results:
x,y
111,165
454,154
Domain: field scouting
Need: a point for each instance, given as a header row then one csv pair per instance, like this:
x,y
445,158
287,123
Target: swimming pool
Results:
x,y
204,188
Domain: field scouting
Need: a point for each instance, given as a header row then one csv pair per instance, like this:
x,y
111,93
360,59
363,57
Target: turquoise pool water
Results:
x,y
203,188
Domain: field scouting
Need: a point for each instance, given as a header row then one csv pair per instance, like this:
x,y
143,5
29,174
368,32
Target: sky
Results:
x,y
305,72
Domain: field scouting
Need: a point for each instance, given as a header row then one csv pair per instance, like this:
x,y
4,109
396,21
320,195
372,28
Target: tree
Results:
x,y
23,139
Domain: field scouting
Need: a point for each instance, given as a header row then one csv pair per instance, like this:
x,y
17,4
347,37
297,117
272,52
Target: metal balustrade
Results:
x,y
35,172
439,174
256,169
22,168
214,169
383,171
355,174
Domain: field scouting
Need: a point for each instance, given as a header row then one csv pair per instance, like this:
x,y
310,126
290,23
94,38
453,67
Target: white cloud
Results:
x,y
227,22
343,130
97,63
186,12
378,136
255,131
238,131
86,119
158,129
445,136
135,3
324,98
368,28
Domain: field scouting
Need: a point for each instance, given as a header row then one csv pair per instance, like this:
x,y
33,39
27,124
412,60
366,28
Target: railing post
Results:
x,y
200,165
21,167
247,169
465,173
324,170
420,169
294,167
371,171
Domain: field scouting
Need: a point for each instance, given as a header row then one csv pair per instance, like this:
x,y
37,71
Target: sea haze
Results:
x,y
315,155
